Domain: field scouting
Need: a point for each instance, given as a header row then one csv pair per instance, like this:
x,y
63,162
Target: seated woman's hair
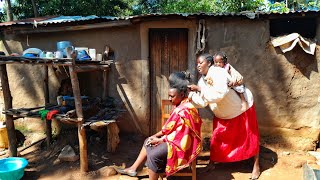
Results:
x,y
208,57
223,56
180,81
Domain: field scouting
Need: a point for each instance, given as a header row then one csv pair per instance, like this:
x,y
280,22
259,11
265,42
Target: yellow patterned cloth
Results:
x,y
183,137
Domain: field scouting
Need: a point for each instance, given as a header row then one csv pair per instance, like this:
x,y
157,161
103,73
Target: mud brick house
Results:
x,y
147,48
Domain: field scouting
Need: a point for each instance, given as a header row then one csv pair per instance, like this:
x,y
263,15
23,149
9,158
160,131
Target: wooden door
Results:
x,y
168,53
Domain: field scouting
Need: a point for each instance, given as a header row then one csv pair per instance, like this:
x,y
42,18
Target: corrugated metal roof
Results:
x,y
63,19
26,21
68,19
57,20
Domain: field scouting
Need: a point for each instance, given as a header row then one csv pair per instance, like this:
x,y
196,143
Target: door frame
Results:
x,y
191,25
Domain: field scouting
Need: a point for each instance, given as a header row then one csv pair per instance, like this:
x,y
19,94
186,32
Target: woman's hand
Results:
x,y
193,87
154,141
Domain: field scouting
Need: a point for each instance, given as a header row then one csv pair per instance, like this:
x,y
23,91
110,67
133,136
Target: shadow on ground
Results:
x,y
43,163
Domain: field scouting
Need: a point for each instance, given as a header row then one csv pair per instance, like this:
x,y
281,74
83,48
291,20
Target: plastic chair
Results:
x,y
166,108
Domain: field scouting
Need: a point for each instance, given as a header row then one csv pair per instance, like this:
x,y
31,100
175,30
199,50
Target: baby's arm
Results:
x,y
237,78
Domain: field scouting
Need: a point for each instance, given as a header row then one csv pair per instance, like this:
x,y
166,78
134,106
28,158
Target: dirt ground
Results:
x,y
276,163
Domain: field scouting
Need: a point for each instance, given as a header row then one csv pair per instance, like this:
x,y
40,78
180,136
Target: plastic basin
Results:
x,y
12,168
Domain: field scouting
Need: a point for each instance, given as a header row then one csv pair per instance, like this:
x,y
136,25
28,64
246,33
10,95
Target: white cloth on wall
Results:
x,y
288,42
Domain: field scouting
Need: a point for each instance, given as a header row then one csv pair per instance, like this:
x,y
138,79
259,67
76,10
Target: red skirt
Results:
x,y
235,139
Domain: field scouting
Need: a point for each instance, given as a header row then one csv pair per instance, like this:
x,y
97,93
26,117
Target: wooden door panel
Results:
x,y
168,53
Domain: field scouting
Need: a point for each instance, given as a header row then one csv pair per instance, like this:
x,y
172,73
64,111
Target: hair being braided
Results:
x,y
180,81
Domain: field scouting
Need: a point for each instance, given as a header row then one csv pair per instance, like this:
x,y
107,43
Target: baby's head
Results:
x,y
220,59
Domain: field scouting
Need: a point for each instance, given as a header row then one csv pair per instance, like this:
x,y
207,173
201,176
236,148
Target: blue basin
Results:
x,y
12,168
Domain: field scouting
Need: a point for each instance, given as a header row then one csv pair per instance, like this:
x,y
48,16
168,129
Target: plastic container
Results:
x,y
69,100
12,168
62,45
4,141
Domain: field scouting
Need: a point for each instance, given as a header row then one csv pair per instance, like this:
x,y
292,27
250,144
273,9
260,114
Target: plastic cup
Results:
x,y
99,57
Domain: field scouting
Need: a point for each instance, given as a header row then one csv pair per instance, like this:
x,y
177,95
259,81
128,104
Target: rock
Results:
x,y
286,153
107,171
56,162
68,154
299,164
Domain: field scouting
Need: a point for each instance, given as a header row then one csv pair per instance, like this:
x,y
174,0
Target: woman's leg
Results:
x,y
140,159
256,167
153,175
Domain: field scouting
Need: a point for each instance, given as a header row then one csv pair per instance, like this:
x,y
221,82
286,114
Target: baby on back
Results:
x,y
221,60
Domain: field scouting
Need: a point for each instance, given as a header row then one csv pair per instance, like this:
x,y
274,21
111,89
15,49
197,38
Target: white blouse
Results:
x,y
223,101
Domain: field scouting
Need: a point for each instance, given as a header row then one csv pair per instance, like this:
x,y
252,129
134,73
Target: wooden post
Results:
x,y
78,104
105,84
8,105
112,137
47,100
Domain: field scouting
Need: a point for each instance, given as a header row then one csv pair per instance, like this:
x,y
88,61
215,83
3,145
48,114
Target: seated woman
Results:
x,y
179,142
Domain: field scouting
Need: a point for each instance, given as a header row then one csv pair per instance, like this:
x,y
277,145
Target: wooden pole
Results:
x,y
8,105
78,104
105,85
47,101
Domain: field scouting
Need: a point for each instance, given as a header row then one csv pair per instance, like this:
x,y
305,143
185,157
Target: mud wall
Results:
x,y
285,85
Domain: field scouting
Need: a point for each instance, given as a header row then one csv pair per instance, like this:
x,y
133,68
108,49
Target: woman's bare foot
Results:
x,y
255,174
256,169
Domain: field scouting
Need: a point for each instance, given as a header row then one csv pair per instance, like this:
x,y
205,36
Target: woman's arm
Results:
x,y
197,100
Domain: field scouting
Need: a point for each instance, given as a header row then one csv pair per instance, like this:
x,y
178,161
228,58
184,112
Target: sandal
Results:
x,y
126,172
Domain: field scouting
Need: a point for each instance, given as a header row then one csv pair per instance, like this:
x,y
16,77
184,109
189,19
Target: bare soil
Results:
x,y
276,163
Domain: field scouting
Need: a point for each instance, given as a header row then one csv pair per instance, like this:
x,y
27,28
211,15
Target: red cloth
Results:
x,y
51,113
235,139
183,137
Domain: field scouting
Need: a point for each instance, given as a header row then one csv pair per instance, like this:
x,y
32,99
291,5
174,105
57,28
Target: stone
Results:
x,y
286,153
299,164
68,154
107,171
56,162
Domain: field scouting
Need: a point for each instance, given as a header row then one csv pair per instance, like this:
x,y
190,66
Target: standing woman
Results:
x,y
235,135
